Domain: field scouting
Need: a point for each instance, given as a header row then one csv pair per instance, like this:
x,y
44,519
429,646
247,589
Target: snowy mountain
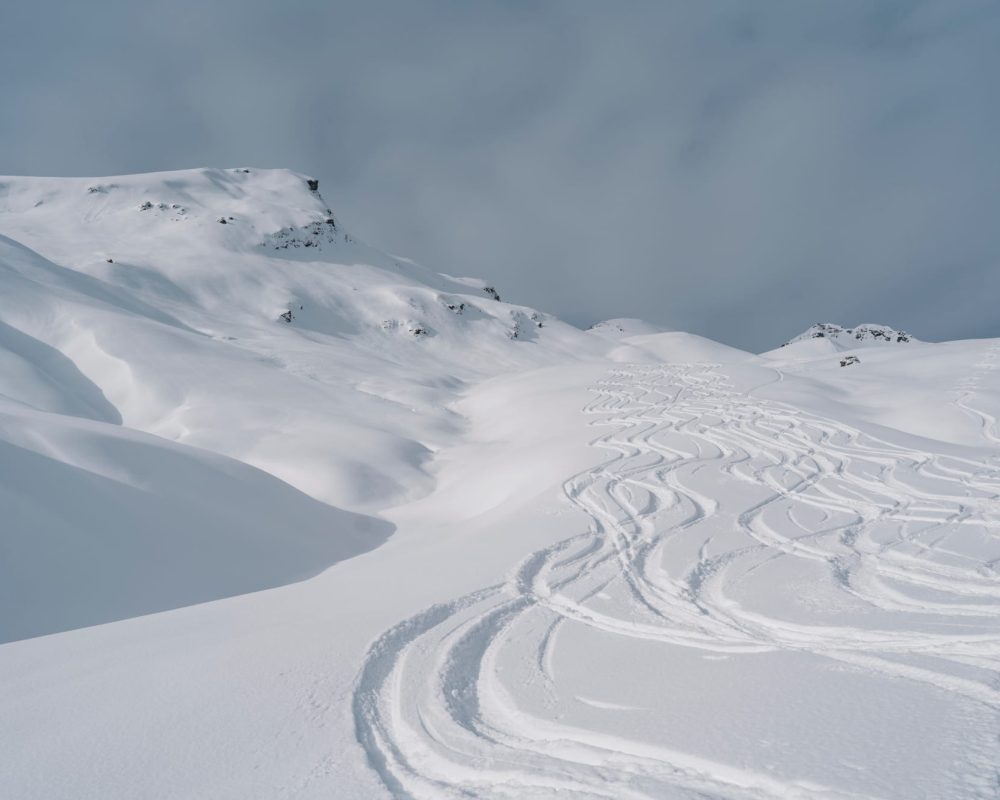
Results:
x,y
285,516
850,338
226,311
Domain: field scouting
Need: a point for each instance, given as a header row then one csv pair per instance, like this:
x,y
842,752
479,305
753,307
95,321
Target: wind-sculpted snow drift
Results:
x,y
625,563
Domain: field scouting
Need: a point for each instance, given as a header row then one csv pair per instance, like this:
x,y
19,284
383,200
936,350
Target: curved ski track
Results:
x,y
885,521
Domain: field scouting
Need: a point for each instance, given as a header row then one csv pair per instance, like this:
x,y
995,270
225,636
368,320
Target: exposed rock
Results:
x,y
316,234
865,334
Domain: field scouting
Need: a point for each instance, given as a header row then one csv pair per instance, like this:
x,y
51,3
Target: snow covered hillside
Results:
x,y
407,540
620,328
226,311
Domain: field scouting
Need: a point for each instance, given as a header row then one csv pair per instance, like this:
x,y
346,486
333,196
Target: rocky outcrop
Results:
x,y
861,334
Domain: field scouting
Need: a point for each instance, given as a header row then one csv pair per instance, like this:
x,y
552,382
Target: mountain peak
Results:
x,y
264,201
858,336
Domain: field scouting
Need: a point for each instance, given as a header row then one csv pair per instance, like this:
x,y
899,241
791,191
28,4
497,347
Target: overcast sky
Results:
x,y
739,169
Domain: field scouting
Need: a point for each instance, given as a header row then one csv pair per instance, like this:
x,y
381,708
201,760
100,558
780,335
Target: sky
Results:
x,y
736,168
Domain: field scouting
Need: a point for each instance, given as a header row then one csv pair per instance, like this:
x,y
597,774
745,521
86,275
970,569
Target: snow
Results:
x,y
182,330
419,542
105,523
622,327
825,336
675,346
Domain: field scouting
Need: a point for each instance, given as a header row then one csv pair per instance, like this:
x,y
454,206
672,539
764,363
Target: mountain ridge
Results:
x,y
858,336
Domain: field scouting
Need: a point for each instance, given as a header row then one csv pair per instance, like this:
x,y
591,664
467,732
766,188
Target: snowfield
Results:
x,y
414,541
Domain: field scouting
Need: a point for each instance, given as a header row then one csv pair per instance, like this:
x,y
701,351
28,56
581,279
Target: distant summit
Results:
x,y
857,336
621,327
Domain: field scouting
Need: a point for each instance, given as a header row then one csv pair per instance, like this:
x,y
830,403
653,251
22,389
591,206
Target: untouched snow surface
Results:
x,y
624,327
417,542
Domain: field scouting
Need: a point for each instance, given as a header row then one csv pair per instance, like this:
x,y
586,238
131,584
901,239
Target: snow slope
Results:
x,y
674,346
126,306
639,566
763,602
183,324
623,327
103,523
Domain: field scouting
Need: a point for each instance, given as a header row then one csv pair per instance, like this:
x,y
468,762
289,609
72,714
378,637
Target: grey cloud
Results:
x,y
737,169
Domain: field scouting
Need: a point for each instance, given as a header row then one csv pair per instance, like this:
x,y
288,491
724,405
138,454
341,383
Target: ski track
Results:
x,y
885,521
